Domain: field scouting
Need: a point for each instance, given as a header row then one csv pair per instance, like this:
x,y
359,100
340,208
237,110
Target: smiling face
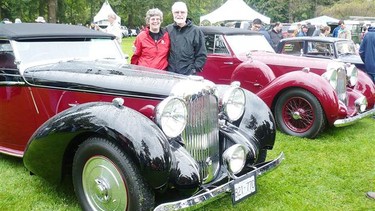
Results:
x,y
155,22
154,18
179,11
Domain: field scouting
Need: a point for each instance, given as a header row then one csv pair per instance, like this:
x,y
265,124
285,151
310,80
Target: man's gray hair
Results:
x,y
179,5
153,12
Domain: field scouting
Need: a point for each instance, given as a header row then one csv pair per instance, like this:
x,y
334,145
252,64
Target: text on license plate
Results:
x,y
244,188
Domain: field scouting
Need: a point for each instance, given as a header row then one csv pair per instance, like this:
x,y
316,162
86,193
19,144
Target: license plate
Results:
x,y
243,188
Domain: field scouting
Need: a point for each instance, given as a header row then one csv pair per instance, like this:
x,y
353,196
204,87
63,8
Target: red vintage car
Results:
x,y
304,94
130,137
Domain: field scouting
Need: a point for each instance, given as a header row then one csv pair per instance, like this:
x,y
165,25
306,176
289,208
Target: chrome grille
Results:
x,y
341,86
201,136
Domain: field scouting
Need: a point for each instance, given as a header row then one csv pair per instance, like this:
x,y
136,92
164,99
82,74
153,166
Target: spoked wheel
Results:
x,y
104,178
299,113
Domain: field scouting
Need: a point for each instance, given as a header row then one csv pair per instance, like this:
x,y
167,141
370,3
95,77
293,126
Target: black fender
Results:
x,y
53,143
257,121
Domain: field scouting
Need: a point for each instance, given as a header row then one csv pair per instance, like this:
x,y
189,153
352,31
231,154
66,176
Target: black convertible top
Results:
x,y
27,31
225,30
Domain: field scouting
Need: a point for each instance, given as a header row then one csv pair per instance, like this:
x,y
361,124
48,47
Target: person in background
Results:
x,y
363,33
276,34
335,31
310,29
324,31
187,54
112,28
257,25
344,32
303,31
367,52
151,47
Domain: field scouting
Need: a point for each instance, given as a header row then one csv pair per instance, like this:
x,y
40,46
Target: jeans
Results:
x,y
372,76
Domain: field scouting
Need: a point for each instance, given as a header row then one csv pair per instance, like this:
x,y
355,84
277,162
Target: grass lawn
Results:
x,y
331,172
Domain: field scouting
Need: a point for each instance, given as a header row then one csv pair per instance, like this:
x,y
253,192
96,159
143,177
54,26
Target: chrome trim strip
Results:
x,y
210,195
11,83
353,119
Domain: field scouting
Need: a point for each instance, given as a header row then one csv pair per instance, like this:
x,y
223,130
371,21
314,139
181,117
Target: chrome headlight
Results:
x,y
171,116
351,74
235,158
361,104
331,73
233,102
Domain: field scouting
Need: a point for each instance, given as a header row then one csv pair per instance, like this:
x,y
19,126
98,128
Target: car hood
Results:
x,y
353,59
103,76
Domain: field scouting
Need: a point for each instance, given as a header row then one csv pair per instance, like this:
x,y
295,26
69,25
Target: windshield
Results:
x,y
32,52
243,44
346,48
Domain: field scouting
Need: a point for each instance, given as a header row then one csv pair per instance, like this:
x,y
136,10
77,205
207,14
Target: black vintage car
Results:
x,y
339,49
128,135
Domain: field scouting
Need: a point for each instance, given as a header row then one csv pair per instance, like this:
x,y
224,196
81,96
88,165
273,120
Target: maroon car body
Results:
x,y
128,136
305,94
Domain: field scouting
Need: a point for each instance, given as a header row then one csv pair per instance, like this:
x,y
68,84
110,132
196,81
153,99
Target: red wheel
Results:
x,y
299,113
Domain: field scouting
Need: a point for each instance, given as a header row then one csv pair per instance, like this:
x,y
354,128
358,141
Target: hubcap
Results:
x,y
103,185
298,114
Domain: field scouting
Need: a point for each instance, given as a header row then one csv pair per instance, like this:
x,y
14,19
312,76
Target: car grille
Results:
x,y
201,136
341,86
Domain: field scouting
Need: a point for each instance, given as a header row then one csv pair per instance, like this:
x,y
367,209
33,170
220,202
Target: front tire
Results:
x,y
299,113
104,178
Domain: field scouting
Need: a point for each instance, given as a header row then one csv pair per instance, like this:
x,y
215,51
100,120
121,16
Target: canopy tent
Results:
x,y
234,10
321,20
101,18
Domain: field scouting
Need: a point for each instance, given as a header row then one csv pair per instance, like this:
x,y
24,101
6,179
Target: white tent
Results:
x,y
234,10
101,18
321,20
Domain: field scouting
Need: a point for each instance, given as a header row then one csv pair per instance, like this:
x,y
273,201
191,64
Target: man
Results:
x,y
257,25
335,31
188,52
113,27
303,31
367,52
344,32
276,34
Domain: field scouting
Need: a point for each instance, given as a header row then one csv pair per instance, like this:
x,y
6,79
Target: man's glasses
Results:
x,y
179,12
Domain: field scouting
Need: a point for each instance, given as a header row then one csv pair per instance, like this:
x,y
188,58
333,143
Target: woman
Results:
x,y
151,47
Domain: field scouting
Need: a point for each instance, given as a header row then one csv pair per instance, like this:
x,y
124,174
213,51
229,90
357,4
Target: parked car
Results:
x,y
304,94
128,135
322,47
124,31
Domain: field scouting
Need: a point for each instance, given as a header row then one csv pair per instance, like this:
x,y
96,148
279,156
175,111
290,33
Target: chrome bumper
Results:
x,y
351,120
202,199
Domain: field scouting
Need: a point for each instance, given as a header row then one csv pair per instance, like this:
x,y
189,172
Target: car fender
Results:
x,y
366,87
54,143
309,81
253,75
257,121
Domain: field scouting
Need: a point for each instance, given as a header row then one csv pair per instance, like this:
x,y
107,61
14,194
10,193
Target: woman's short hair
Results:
x,y
153,12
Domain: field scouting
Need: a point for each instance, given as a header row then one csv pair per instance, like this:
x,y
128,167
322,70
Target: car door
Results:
x,y
220,62
17,113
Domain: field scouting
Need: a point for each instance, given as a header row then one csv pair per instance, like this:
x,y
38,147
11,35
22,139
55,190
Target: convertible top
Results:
x,y
225,30
29,31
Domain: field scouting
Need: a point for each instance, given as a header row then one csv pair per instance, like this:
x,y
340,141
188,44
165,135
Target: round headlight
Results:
x,y
235,158
331,73
351,74
233,103
171,116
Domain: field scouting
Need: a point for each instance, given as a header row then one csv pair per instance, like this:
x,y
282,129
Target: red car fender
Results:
x,y
366,87
253,75
261,80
